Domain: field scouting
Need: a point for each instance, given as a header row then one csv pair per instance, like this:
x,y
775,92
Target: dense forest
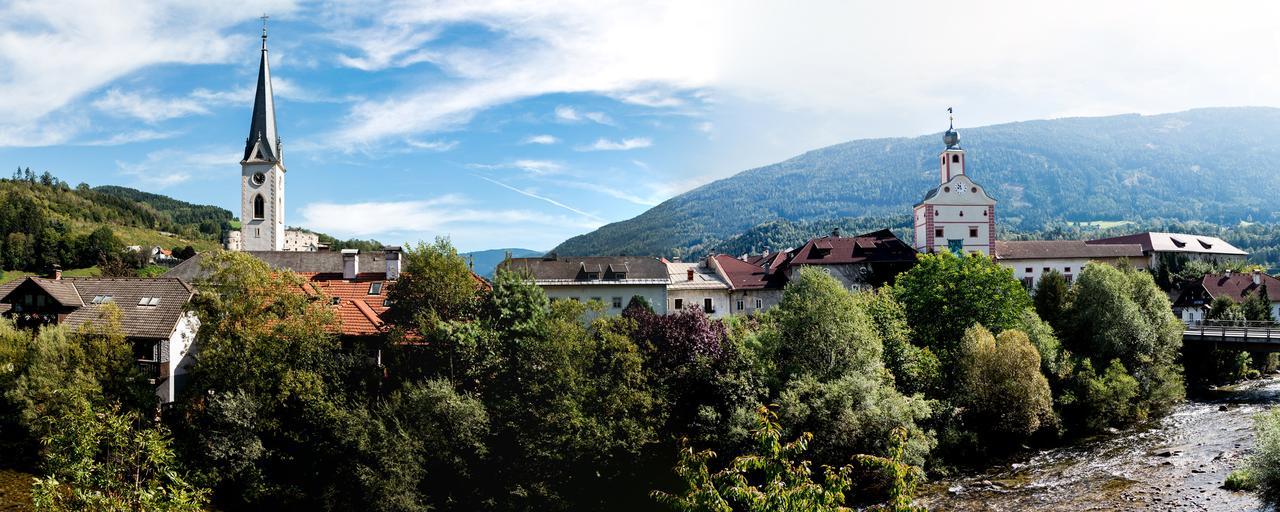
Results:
x,y
1214,165
495,398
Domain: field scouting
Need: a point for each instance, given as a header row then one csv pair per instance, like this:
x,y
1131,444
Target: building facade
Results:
x,y
1032,259
697,285
859,262
1176,248
612,280
153,317
958,215
1194,300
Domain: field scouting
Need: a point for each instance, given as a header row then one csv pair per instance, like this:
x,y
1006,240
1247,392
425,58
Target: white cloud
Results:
x,y
564,113
131,137
147,106
53,52
432,145
603,144
540,139
599,117
534,167
471,225
168,167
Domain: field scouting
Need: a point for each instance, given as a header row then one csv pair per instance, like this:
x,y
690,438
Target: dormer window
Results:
x,y
375,288
101,299
1205,244
149,302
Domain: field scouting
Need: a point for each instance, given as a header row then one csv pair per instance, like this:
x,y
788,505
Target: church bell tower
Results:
x,y
262,170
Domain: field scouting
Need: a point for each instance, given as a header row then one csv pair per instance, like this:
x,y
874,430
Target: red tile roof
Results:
x,y
1238,286
747,276
875,247
359,312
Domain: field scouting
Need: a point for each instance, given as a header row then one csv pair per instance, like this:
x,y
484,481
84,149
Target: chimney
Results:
x,y
350,263
835,233
57,272
690,274
1257,277
1227,273
392,255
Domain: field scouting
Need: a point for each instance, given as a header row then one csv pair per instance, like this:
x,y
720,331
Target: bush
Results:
x,y
1093,402
1240,480
1004,395
1264,464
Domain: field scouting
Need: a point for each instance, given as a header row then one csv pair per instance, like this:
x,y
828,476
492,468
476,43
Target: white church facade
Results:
x,y
957,215
262,180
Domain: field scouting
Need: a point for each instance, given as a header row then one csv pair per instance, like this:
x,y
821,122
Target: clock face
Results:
x,y
259,178
959,187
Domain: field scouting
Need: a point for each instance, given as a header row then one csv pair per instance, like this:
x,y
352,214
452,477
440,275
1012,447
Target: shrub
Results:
x,y
1239,480
1264,464
1003,393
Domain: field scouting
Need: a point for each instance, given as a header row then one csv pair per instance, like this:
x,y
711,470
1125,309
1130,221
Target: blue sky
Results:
x,y
504,124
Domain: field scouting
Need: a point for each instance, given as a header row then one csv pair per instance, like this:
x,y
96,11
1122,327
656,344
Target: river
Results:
x,y
1176,463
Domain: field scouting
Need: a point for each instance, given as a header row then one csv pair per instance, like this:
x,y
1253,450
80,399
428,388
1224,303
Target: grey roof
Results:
x,y
575,269
137,321
1066,249
318,262
262,127
1176,242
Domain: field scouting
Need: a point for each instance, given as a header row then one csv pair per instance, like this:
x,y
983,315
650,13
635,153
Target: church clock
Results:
x,y
259,178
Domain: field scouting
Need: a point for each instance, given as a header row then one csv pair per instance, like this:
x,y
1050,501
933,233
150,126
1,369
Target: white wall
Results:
x,y
177,355
719,300
1066,266
656,294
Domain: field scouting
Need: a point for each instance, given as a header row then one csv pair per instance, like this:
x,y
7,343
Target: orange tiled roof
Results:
x,y
359,312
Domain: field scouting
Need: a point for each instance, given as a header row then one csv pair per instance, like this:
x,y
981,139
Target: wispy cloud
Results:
x,y
540,139
432,145
536,167
545,199
131,137
147,106
603,144
169,167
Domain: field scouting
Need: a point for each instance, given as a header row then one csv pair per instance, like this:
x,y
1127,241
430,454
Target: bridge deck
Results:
x,y
1253,336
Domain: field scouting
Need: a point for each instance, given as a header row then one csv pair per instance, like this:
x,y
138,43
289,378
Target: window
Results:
x,y
39,301
962,213
1027,282
386,303
617,303
973,232
679,303
1046,269
1067,277
955,159
956,247
101,299
937,233
334,301
741,306
708,306
259,207
1067,270
596,299
149,301
575,299
759,304
28,299
375,288
1030,270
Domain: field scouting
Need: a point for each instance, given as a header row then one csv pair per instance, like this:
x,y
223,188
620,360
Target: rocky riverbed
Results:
x,y
1176,463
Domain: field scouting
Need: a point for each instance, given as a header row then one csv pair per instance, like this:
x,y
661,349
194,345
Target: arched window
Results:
x,y
955,159
259,207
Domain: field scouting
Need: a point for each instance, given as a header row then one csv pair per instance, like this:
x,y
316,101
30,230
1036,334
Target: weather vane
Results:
x,y
264,26
951,118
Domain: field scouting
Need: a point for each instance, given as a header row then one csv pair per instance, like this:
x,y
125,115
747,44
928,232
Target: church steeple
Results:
x,y
263,143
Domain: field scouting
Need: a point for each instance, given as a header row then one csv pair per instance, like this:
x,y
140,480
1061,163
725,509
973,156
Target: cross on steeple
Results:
x,y
264,30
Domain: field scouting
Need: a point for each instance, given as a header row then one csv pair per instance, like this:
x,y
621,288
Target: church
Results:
x,y
262,178
957,215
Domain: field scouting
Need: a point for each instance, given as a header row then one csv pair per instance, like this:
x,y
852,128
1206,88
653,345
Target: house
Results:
x,y
755,284
957,215
1193,302
1177,248
613,280
1031,259
153,317
697,285
865,261
355,283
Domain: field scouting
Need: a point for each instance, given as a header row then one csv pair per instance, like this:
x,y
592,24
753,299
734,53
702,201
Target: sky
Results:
x,y
520,124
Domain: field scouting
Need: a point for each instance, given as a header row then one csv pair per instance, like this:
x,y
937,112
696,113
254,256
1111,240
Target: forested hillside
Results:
x,y
1214,165
46,221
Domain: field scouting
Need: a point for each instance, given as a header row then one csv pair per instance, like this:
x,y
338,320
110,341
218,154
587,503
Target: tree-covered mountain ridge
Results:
x,y
1211,164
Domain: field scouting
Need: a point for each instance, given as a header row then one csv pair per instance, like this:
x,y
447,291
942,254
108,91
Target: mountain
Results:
x,y
1214,164
485,262
173,214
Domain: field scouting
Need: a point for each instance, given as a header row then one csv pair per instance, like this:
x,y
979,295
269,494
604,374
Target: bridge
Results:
x,y
1253,336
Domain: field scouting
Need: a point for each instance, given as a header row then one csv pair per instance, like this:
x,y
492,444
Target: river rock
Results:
x,y
1222,408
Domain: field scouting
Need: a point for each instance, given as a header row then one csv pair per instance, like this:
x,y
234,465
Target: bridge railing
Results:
x,y
1246,329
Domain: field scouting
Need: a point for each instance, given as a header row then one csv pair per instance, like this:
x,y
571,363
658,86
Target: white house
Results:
x,y
1193,301
697,285
612,280
1031,259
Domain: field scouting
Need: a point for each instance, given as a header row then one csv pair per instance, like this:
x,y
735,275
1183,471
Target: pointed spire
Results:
x,y
262,127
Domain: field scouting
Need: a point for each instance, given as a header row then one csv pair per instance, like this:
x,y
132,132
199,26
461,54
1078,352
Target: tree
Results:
x,y
110,460
1225,310
914,369
1264,465
435,285
1004,395
1122,314
101,243
772,480
945,294
1051,297
1257,307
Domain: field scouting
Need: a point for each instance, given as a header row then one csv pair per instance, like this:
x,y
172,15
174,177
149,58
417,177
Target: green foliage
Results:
x,y
773,479
110,460
1121,314
1087,169
1053,362
435,285
1224,309
945,294
1264,464
1093,402
914,369
1004,395
1256,307
823,330
1240,480
1051,297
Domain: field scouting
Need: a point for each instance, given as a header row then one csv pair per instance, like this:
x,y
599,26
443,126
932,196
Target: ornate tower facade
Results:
x,y
262,171
956,216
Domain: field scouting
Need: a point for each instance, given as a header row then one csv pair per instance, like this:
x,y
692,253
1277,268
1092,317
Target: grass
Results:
x,y
15,490
1239,480
10,275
